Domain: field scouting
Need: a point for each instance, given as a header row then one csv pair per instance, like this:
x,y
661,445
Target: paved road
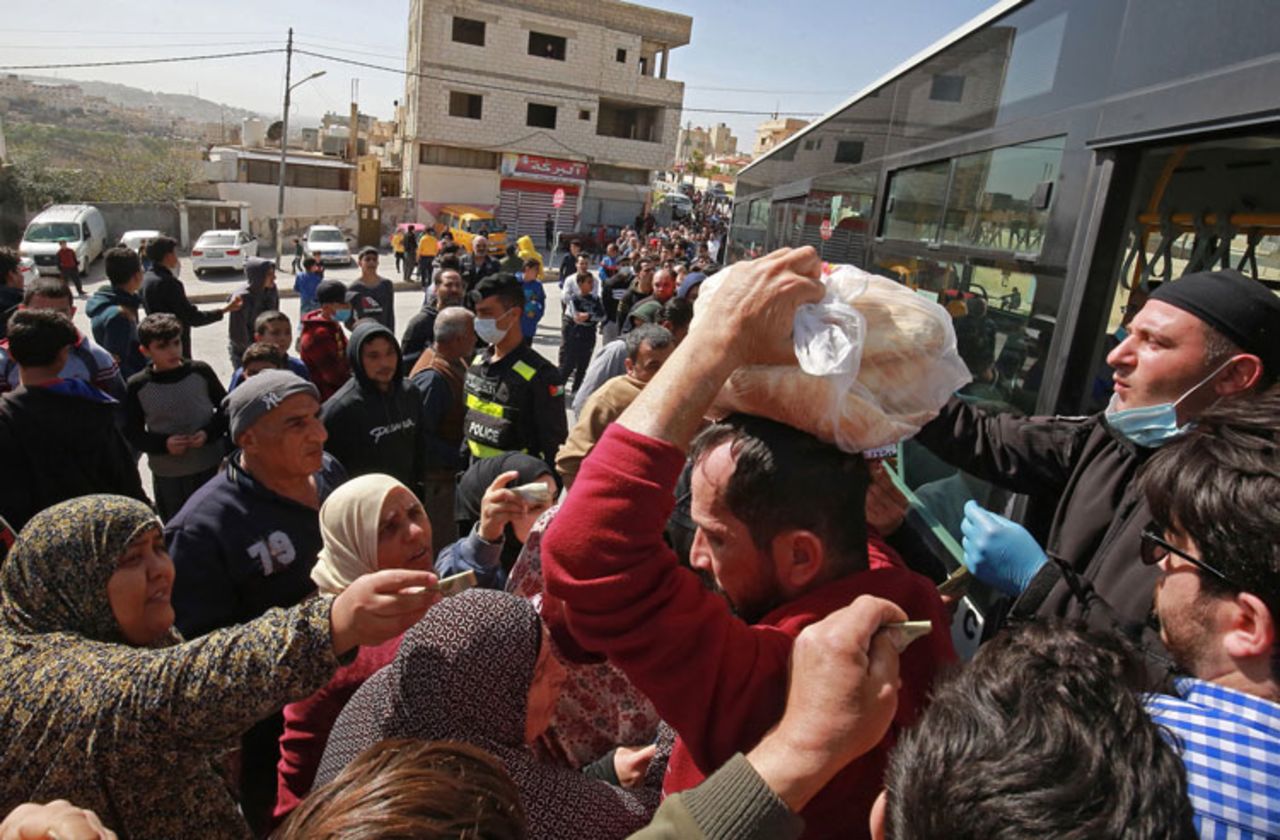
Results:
x,y
209,343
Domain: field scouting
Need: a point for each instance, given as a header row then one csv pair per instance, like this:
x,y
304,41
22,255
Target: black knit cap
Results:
x,y
1242,309
331,291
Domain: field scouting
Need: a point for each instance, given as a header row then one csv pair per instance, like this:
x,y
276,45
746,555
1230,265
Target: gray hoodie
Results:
x,y
258,298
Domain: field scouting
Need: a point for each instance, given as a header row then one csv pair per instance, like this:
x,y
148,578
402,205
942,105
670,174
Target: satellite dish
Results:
x,y
273,131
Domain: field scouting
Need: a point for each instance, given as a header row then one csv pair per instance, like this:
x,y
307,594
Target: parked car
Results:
x,y
222,249
327,244
79,225
27,268
135,239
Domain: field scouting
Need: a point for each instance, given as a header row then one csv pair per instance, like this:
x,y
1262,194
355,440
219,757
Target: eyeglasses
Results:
x,y
1155,548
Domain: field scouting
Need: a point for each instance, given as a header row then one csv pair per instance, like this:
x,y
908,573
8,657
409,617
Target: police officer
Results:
x,y
515,399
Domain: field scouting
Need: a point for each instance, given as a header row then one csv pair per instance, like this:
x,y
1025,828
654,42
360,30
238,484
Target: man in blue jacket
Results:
x,y
113,310
246,541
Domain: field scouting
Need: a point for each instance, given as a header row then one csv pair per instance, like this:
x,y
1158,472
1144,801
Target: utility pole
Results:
x,y
353,138
284,142
284,148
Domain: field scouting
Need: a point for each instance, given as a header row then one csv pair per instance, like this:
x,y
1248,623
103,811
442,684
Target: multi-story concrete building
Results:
x,y
772,132
508,102
723,143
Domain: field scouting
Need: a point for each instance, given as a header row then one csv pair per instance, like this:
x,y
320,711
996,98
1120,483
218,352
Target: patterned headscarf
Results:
x,y
55,578
463,673
599,708
349,527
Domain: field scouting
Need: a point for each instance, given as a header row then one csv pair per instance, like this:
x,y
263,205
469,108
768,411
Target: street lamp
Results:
x,y
284,146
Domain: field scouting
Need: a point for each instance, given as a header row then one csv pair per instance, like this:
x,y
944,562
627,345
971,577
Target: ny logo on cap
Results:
x,y
271,399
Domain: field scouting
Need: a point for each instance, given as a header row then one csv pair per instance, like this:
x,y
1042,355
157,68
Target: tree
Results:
x,y
697,166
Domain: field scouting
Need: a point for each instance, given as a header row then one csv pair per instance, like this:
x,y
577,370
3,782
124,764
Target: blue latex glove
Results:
x,y
999,552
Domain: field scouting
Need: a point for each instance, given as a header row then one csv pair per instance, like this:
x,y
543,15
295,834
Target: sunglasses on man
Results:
x,y
1155,548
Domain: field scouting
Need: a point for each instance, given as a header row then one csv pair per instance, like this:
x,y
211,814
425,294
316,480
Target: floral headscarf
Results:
x,y
55,578
463,673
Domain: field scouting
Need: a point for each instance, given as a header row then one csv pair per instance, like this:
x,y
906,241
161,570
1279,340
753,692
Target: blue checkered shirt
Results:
x,y
1230,744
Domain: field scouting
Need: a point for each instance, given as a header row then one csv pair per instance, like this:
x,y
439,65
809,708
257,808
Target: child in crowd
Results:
x,y
586,312
261,356
173,413
535,300
323,345
274,327
306,283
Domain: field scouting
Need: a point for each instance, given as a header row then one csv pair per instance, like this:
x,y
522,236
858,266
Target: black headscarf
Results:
x,y
477,479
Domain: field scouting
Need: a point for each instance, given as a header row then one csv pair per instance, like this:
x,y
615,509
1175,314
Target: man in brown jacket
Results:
x,y
648,347
439,376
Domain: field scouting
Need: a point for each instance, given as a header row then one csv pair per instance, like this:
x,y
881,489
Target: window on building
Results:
x,y
433,155
468,31
619,174
849,151
947,88
547,46
465,105
622,55
584,114
540,116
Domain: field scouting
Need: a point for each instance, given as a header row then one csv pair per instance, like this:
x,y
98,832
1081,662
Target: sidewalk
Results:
x,y
217,287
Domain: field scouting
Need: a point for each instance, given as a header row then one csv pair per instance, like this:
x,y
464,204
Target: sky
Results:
x,y
798,59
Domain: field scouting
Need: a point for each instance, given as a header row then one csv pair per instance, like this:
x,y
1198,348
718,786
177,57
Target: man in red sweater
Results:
x,y
781,529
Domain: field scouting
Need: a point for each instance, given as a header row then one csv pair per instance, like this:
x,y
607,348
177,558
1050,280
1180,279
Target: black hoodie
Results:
x,y
371,431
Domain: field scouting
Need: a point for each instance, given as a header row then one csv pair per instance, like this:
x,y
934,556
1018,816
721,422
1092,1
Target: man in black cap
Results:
x,y
1196,340
515,399
246,541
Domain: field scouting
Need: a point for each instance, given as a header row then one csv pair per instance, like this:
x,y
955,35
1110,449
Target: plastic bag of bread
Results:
x,y
875,362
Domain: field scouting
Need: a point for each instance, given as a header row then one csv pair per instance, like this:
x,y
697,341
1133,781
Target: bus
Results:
x,y
1039,169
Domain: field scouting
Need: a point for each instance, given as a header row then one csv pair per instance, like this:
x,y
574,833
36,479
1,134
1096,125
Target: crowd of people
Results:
x,y
676,627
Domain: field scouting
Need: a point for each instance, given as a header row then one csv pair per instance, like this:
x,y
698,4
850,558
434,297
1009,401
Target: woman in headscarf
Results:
x,y
371,522
105,706
495,518
599,710
479,669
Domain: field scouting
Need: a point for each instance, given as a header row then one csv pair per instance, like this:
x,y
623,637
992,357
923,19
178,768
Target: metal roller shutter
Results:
x,y
523,207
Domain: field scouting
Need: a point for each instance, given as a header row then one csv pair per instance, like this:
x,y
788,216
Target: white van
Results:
x,y
79,225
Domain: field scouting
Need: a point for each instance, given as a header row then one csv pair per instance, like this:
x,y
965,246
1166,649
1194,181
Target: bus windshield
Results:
x,y
53,232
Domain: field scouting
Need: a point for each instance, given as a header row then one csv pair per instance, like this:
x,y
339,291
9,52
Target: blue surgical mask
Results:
x,y
1152,426
343,315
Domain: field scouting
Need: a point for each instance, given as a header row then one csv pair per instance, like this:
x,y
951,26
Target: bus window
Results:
x,y
1004,321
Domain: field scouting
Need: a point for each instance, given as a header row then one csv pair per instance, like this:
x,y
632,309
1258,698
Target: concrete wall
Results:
x,y
302,207
126,216
438,185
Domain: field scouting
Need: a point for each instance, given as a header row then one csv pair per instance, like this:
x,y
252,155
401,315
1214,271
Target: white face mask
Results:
x,y
489,331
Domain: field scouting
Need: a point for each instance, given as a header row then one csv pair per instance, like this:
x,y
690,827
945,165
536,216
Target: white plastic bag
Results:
x,y
875,363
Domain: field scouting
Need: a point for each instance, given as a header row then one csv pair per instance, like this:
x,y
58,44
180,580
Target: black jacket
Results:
x,y
163,292
371,431
58,442
1086,472
515,404
473,272
10,297
419,334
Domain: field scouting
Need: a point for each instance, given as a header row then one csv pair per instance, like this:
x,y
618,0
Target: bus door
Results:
x,y
1195,204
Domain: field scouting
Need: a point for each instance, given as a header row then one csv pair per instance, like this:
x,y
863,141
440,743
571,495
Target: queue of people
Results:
x,y
677,627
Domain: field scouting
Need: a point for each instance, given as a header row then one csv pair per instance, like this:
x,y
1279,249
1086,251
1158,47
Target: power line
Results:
x,y
138,61
508,89
100,45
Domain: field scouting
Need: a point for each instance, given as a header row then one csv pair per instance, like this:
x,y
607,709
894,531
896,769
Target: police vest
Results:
x,y
493,421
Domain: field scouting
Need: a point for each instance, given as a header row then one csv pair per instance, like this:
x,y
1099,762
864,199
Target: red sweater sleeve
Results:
x,y
626,596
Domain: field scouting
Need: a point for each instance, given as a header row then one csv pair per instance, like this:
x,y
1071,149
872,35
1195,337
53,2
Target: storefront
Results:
x,y
528,188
